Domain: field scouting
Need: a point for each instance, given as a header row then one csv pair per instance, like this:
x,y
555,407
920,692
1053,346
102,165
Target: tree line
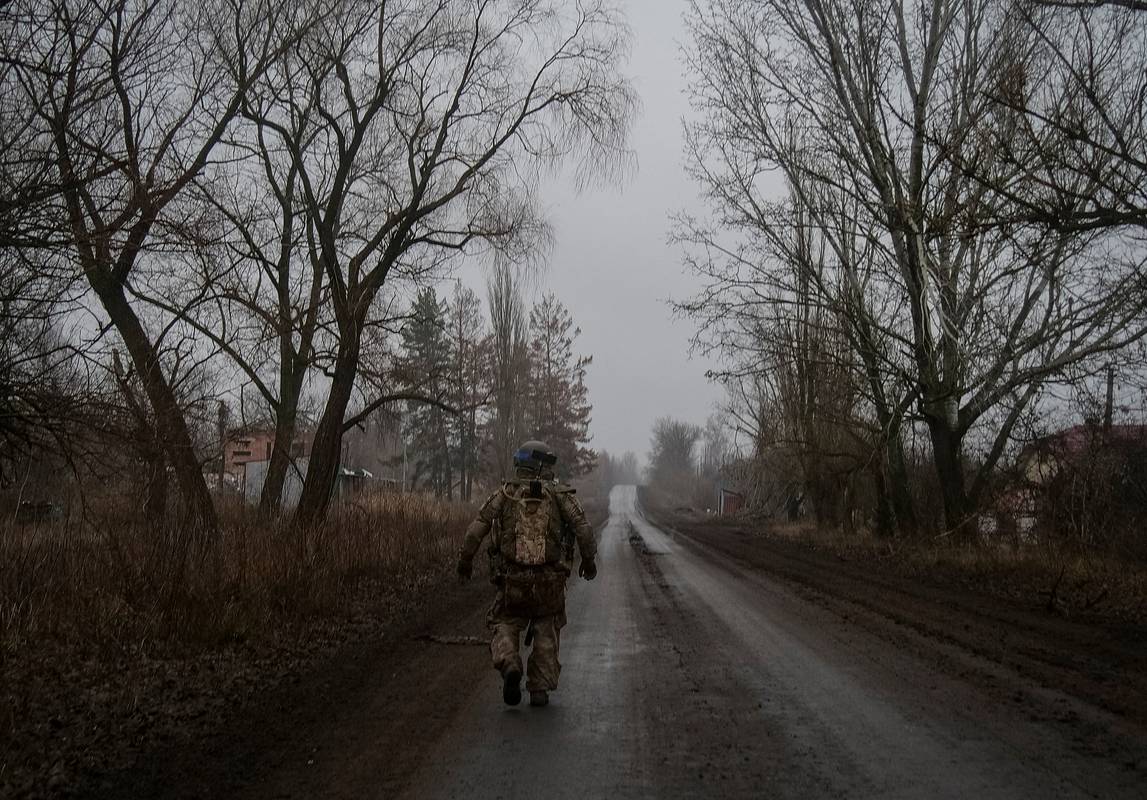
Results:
x,y
473,403
927,218
219,193
688,462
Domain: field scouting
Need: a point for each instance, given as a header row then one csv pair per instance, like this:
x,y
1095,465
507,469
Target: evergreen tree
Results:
x,y
558,406
425,367
469,384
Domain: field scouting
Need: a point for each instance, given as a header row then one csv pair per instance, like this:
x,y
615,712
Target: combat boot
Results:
x,y
512,687
539,697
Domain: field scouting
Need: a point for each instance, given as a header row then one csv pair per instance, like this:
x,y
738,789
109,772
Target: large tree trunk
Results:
x,y
271,497
326,452
885,514
895,512
155,490
286,423
899,492
447,463
946,451
195,499
472,454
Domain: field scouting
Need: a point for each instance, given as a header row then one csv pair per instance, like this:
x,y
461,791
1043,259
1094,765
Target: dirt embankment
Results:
x,y
75,724
116,646
396,689
1101,659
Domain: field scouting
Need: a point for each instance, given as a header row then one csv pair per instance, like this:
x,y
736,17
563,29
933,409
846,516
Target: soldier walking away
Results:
x,y
532,522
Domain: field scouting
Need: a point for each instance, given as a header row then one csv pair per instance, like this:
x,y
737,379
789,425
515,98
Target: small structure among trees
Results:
x,y
245,210
1088,484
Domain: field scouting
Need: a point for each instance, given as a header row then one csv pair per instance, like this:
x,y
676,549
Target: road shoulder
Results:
x,y
306,738
1102,662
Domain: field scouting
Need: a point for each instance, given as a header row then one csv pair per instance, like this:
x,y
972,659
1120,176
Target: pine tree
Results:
x,y
558,406
425,367
469,382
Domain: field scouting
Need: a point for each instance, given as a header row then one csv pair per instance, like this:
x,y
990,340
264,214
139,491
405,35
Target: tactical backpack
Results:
x,y
529,539
531,529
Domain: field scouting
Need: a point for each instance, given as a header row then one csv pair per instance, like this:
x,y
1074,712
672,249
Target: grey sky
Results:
x,y
611,264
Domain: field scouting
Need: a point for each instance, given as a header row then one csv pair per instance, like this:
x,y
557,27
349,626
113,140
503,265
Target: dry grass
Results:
x,y
116,637
126,585
1063,577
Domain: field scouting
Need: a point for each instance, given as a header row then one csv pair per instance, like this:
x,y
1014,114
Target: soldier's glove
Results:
x,y
465,569
587,569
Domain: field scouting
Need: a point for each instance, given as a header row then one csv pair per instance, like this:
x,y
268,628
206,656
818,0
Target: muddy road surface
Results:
x,y
687,672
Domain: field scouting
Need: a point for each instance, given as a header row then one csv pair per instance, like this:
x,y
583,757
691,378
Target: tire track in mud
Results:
x,y
1087,659
1026,666
719,732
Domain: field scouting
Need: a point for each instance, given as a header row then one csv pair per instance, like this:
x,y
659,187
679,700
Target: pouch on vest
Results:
x,y
533,594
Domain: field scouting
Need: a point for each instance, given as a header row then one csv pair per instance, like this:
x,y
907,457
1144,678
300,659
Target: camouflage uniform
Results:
x,y
544,667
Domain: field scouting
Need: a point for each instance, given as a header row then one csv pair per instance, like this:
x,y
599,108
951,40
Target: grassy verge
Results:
x,y
116,637
1062,578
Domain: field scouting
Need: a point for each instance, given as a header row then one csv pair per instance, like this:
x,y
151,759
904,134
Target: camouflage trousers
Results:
x,y
544,668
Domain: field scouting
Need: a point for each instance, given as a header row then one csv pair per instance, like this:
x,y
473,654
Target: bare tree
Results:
x,y
780,306
130,100
47,393
872,113
673,458
509,364
254,290
431,116
610,471
1080,96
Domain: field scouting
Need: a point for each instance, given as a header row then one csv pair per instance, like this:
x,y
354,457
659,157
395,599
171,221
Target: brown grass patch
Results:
x,y
116,636
1062,576
110,585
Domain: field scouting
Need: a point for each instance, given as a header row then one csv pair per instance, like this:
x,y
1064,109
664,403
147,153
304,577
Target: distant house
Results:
x,y
1045,458
347,481
255,443
1072,468
729,501
374,447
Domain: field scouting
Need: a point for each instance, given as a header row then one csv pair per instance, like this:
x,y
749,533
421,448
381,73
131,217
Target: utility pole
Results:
x,y
1109,406
460,416
222,444
402,429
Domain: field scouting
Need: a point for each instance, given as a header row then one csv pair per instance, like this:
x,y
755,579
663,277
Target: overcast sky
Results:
x,y
611,264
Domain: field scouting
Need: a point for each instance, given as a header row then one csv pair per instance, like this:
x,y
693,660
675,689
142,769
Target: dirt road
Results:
x,y
687,673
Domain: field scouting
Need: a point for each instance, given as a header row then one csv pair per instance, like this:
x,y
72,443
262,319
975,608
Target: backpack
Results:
x,y
531,525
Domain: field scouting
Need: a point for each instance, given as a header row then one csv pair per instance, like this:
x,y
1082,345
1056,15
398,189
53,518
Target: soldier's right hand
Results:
x,y
465,569
587,569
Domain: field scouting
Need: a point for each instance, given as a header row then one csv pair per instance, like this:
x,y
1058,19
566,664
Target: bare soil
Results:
x,y
394,690
394,711
1099,658
100,721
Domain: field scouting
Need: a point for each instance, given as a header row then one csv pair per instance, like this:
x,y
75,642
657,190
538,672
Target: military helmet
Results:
x,y
535,456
